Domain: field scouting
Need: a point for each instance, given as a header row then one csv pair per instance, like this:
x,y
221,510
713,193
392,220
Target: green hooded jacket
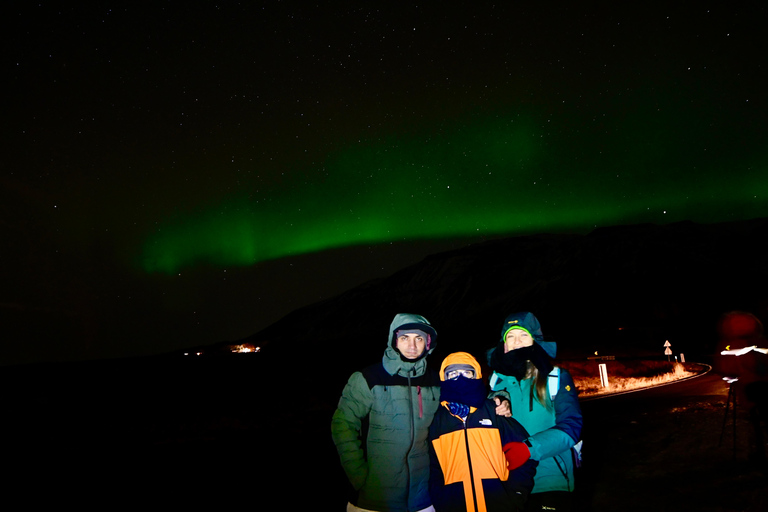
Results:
x,y
388,462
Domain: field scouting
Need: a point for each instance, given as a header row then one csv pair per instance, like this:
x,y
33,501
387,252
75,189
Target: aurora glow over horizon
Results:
x,y
503,174
195,171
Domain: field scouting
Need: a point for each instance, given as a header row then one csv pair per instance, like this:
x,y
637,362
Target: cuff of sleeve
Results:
x,y
533,447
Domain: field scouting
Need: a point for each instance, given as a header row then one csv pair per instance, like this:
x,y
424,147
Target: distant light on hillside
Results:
x,y
244,348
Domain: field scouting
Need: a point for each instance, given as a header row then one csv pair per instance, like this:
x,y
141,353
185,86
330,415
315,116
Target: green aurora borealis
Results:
x,y
178,173
489,175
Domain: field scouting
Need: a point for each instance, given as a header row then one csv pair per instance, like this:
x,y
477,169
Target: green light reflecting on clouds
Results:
x,y
506,174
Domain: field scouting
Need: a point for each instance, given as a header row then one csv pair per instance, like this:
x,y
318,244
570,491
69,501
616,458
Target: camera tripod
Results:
x,y
731,399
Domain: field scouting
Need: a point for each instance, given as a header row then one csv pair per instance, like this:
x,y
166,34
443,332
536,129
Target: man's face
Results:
x,y
411,345
517,338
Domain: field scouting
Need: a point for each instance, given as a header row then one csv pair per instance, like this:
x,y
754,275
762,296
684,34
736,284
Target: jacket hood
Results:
x,y
460,358
408,321
393,363
529,322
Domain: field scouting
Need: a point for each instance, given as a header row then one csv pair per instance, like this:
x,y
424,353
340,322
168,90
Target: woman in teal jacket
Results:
x,y
544,400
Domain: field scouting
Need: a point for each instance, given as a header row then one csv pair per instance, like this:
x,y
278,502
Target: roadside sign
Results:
x,y
603,375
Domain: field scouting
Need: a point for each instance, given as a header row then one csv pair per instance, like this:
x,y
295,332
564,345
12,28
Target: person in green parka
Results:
x,y
544,400
387,463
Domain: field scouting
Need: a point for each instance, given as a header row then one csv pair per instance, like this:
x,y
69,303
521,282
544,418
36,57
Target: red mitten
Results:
x,y
516,454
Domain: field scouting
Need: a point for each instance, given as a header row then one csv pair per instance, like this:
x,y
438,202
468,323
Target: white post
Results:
x,y
682,357
603,375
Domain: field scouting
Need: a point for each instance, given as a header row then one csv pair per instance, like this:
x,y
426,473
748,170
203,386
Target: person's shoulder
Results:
x,y
564,374
363,374
489,408
566,384
375,367
375,374
507,423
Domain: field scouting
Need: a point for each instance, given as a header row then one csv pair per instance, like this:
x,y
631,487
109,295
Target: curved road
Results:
x,y
705,384
659,449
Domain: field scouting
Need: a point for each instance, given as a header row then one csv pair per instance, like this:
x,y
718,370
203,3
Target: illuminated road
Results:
x,y
659,449
706,384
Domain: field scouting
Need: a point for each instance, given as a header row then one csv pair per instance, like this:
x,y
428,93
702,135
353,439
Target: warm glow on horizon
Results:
x,y
244,348
591,386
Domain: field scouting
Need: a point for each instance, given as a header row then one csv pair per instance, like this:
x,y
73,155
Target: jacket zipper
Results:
x,y
469,463
410,410
413,435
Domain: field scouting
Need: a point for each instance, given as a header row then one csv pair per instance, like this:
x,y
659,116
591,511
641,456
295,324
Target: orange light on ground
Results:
x,y
244,348
591,386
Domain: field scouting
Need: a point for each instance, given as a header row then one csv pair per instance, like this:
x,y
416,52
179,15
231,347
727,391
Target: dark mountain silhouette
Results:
x,y
622,290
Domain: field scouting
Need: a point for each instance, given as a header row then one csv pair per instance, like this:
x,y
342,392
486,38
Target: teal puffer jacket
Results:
x,y
399,399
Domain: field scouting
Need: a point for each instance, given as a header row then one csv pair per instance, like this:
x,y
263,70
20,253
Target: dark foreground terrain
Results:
x,y
227,430
667,449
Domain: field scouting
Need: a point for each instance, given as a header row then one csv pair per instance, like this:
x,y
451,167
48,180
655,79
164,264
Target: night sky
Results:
x,y
172,173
